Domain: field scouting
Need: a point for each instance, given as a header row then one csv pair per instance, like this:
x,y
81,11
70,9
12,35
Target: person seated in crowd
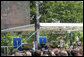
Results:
x,y
43,47
36,53
69,52
57,51
63,53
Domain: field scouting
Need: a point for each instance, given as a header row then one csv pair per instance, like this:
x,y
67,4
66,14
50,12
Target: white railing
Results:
x,y
6,49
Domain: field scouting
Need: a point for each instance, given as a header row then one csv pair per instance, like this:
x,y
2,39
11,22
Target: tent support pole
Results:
x,y
36,27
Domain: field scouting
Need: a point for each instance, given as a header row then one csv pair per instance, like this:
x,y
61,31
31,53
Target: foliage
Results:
x,y
7,37
65,11
52,39
79,34
68,37
54,44
32,11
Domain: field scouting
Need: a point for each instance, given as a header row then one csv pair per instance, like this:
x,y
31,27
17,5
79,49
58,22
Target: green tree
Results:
x,y
65,11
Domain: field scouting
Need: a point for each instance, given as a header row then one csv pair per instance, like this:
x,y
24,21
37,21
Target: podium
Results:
x,y
17,43
42,40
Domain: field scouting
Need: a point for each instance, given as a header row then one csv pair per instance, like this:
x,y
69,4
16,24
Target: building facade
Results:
x,y
15,13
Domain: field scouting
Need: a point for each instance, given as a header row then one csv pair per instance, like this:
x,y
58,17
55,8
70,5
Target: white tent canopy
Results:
x,y
48,27
61,26
20,28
